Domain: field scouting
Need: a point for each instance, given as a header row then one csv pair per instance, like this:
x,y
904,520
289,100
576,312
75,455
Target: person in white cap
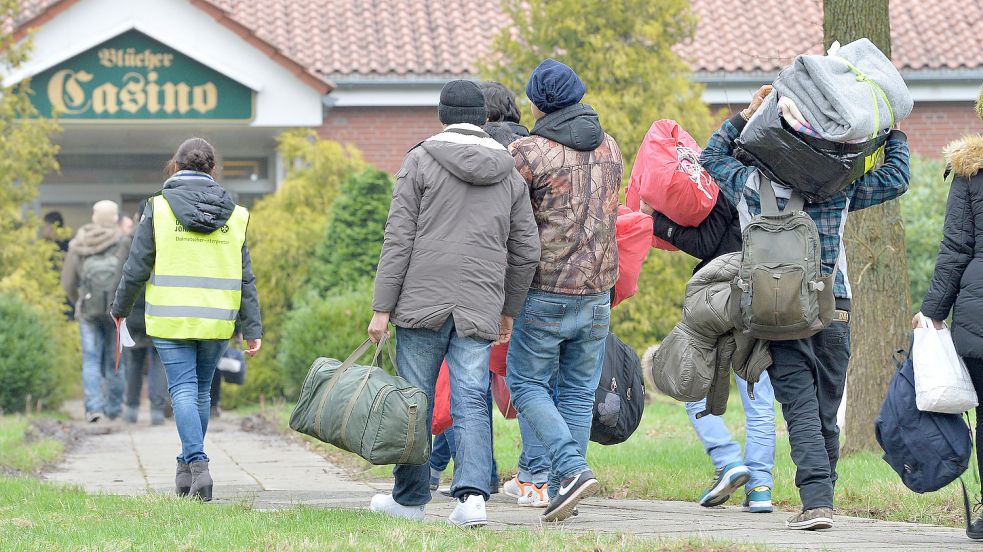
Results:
x,y
90,275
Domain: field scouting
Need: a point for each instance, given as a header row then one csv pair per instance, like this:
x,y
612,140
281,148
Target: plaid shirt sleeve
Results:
x,y
730,174
887,182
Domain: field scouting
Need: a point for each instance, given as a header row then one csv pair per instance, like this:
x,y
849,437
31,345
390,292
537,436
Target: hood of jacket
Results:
x,y
965,155
505,132
468,153
198,202
577,127
93,238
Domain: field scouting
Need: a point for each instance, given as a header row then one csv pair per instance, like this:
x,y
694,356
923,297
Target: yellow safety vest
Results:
x,y
195,289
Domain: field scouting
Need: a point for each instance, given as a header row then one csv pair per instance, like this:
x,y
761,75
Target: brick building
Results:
x,y
369,72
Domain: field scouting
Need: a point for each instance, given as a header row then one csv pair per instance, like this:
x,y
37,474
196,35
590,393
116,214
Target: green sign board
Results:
x,y
132,77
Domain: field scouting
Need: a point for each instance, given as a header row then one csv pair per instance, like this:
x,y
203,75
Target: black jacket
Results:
x,y
577,127
505,132
718,234
957,284
201,205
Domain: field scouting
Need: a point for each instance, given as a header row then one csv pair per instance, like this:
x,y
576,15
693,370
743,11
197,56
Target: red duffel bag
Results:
x,y
442,391
667,175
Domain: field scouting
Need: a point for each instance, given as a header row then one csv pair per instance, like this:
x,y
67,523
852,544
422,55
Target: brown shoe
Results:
x,y
811,519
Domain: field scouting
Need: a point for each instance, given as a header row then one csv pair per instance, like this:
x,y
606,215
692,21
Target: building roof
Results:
x,y
406,39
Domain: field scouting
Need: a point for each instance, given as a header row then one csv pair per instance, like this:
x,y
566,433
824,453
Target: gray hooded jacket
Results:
x,y
461,239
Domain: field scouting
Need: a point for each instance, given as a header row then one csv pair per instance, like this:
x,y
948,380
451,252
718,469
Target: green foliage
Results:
x,y
349,252
26,261
923,213
284,231
330,327
29,366
622,49
647,318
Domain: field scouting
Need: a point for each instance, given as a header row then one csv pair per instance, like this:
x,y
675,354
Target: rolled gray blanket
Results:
x,y
836,101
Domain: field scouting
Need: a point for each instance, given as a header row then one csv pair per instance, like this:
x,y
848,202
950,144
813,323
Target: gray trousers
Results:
x,y
134,359
809,376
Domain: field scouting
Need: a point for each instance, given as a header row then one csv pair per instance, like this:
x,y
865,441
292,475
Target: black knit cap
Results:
x,y
461,101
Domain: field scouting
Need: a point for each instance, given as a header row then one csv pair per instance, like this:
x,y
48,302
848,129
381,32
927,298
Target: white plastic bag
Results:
x,y
942,382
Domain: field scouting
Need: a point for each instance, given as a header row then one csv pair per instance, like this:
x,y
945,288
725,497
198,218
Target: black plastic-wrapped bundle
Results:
x,y
817,168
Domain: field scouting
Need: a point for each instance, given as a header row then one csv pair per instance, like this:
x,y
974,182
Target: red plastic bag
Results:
x,y
500,392
634,235
442,402
496,362
667,175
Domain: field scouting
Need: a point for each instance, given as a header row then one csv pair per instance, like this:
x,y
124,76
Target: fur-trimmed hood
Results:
x,y
965,155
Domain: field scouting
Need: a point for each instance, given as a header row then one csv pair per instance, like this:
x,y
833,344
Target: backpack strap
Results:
x,y
769,202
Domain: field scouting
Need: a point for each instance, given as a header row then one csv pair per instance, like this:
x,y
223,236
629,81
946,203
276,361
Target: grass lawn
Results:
x,y
41,516
664,460
20,450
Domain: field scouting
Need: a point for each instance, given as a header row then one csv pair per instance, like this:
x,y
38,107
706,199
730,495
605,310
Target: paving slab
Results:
x,y
271,472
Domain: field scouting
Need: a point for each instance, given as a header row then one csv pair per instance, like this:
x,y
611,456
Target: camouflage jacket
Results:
x,y
575,200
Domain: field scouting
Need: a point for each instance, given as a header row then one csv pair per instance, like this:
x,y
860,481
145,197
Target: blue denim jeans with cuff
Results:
x,y
101,382
190,365
759,449
559,339
419,354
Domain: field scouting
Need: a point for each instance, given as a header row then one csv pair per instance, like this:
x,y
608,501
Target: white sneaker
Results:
x,y
536,496
469,512
385,504
514,488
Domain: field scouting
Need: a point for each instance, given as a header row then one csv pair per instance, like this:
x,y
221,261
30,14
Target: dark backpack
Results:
x,y
928,450
620,396
98,278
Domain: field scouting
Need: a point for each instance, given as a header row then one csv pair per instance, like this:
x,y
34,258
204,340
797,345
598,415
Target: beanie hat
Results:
x,y
461,101
553,86
105,213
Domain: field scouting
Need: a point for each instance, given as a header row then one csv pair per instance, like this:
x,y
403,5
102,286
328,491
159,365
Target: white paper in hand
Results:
x,y
125,340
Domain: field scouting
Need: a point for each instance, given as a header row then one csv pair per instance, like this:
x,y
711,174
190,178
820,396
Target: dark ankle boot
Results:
x,y
975,529
182,481
201,481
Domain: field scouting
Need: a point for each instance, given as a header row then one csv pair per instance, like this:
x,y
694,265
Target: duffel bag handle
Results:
x,y
364,348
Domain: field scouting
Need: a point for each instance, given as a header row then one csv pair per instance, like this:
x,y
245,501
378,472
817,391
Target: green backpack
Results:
x,y
363,409
780,292
98,278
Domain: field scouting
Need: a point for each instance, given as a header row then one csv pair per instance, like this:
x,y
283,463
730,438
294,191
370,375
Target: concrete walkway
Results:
x,y
272,472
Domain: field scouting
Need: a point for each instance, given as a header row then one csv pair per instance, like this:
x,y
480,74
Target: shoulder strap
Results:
x,y
769,202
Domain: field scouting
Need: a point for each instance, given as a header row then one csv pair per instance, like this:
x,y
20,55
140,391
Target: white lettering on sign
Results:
x,y
68,94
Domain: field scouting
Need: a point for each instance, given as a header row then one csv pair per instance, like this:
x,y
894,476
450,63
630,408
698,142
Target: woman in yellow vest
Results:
x,y
190,250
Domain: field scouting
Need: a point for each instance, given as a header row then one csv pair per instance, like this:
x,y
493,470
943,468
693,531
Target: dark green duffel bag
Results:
x,y
363,409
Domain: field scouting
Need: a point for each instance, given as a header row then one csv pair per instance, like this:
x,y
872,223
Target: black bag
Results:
x,y
927,449
620,397
816,168
232,366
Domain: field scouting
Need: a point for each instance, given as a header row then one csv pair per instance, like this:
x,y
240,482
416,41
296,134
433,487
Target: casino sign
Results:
x,y
134,77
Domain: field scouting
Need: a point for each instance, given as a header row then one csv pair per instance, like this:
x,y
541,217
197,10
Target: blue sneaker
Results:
x,y
726,480
758,501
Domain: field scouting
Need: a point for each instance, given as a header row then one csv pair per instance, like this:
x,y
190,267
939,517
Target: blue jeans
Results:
x,y
559,338
445,447
534,462
102,384
759,450
419,354
190,365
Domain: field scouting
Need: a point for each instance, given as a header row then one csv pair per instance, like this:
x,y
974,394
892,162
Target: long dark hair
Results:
x,y
499,102
195,154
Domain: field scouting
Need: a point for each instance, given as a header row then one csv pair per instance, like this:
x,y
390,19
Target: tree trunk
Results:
x,y
876,257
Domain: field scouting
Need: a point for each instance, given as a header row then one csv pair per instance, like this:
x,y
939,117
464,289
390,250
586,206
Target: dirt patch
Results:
x,y
69,434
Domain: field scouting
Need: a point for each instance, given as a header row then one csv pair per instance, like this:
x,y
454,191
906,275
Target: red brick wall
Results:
x,y
932,125
383,134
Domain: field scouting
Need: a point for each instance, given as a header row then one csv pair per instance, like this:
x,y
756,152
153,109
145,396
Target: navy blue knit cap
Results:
x,y
553,86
